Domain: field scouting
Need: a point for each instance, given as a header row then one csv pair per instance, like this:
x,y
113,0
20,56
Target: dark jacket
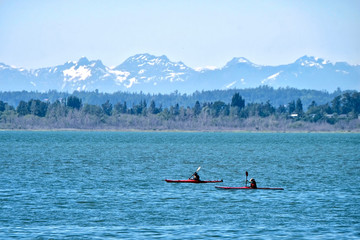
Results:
x,y
196,176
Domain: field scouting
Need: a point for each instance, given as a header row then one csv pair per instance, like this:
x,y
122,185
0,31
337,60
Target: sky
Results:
x,y
40,33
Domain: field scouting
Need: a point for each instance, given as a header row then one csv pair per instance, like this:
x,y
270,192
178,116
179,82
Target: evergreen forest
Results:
x,y
101,111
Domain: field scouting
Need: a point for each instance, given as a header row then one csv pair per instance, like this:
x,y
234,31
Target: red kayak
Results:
x,y
192,181
247,188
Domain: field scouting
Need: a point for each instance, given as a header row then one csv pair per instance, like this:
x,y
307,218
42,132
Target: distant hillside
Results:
x,y
158,74
263,94
341,114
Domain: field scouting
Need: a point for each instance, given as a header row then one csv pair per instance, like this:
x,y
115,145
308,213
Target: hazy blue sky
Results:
x,y
200,33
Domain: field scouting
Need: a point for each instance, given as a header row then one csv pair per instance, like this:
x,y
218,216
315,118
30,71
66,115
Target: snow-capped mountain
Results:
x,y
304,73
80,75
148,73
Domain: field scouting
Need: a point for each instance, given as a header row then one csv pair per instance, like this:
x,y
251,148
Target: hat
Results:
x,y
252,180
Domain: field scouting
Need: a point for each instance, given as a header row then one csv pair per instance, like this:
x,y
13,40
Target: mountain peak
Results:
x,y
83,61
306,57
239,61
149,57
146,72
146,60
311,61
141,57
97,63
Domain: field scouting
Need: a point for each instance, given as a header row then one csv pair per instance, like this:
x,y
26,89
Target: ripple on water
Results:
x,y
111,185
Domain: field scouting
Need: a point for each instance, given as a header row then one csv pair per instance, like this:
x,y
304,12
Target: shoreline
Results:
x,y
172,131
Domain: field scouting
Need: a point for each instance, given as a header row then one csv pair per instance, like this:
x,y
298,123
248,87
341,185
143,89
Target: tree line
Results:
x,y
72,112
255,95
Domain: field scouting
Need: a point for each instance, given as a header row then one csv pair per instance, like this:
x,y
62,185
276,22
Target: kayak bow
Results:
x,y
192,181
246,188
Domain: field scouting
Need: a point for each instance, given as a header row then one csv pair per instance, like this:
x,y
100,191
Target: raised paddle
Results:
x,y
247,174
195,172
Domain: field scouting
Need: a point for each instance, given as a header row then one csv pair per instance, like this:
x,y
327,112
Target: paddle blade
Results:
x,y
198,169
247,174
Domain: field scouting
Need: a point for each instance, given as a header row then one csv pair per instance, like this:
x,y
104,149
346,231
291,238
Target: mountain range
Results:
x,y
157,74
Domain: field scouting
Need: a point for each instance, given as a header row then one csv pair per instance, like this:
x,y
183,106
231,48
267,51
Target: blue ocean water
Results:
x,y
110,185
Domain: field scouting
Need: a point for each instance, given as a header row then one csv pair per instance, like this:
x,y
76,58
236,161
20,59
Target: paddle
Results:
x,y
247,174
195,172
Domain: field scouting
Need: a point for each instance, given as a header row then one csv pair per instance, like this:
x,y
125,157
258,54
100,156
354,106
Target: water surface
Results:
x,y
104,185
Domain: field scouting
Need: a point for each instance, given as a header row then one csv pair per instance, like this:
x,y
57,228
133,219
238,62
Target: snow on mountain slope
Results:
x,y
149,68
157,74
271,78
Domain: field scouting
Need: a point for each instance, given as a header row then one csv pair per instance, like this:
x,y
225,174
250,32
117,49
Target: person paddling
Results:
x,y
253,183
195,177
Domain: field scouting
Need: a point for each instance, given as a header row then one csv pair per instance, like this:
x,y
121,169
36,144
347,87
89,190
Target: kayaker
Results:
x,y
253,183
195,177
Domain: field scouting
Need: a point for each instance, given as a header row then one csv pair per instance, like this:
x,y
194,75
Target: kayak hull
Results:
x,y
247,188
192,181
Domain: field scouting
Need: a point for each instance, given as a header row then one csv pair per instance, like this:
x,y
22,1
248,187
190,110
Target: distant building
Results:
x,y
342,116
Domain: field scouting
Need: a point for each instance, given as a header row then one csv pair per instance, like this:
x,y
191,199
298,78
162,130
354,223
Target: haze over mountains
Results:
x,y
157,74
